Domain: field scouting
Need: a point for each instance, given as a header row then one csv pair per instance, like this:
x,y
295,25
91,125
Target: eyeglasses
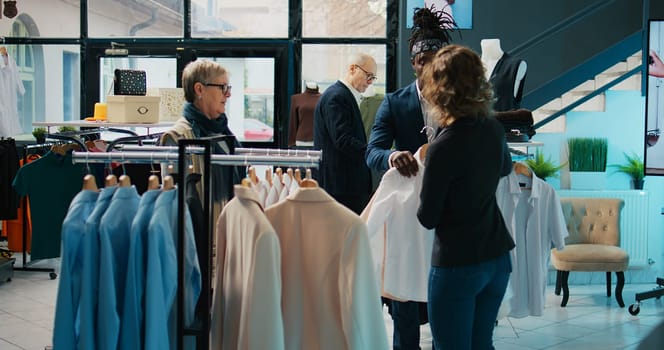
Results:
x,y
225,88
370,76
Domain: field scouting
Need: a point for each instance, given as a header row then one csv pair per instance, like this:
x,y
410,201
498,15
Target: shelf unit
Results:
x,y
101,124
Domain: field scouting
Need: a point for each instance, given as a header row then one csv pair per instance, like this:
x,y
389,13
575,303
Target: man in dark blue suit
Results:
x,y
339,134
403,124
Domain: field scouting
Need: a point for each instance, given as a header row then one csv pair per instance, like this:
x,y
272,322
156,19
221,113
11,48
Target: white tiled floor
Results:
x,y
590,320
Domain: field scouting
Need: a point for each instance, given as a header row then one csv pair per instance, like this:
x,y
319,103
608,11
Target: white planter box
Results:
x,y
132,109
581,180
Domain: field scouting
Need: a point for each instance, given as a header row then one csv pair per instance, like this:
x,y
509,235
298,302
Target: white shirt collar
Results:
x,y
356,94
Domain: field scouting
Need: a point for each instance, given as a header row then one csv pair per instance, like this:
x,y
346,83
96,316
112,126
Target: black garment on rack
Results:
x,y
9,164
197,214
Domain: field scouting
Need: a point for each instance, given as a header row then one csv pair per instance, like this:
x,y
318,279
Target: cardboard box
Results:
x,y
132,109
171,104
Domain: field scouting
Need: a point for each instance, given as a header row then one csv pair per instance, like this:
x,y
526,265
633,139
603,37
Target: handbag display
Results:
x,y
129,82
518,124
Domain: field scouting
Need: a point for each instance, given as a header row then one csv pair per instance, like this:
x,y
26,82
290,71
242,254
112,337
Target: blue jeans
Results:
x,y
464,303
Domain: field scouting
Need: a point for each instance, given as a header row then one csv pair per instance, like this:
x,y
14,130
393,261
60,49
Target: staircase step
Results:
x,y
555,104
557,125
585,87
631,83
634,61
620,67
595,104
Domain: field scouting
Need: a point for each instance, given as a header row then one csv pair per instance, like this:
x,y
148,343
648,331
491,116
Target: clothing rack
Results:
x,y
165,154
249,151
138,157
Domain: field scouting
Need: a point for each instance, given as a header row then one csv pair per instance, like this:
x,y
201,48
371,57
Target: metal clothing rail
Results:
x,y
250,151
171,157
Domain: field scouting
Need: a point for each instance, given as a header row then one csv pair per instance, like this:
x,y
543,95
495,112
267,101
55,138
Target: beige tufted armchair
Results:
x,y
593,243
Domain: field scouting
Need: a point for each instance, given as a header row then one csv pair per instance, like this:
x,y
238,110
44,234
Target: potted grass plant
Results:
x,y
587,162
66,128
39,134
633,167
543,168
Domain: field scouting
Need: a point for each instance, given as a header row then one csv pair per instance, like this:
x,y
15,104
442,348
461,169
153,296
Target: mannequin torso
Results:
x,y
492,53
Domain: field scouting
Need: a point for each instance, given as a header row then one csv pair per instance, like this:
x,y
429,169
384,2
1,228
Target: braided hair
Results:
x,y
431,30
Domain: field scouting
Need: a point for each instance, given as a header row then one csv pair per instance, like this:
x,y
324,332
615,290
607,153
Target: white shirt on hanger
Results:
x,y
535,220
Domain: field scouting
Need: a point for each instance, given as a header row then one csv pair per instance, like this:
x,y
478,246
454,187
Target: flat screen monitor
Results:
x,y
654,152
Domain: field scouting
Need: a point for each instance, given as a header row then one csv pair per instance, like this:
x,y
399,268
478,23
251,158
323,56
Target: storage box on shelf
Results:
x,y
132,109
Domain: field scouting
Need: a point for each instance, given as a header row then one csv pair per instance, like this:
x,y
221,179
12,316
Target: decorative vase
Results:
x,y
586,180
637,184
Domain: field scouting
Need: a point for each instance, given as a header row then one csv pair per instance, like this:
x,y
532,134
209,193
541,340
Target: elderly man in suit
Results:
x,y
339,133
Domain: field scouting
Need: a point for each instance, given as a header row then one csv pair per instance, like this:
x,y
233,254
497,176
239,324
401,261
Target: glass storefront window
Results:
x,y
128,19
35,19
47,84
250,109
344,18
326,63
239,19
160,72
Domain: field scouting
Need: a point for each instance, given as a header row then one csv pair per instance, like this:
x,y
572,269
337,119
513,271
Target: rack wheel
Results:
x,y
52,275
634,309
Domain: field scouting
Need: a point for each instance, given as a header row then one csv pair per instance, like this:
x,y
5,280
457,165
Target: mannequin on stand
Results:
x,y
301,124
506,74
10,85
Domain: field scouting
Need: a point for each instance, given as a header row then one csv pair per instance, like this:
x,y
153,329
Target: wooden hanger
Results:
x,y
268,176
422,151
90,183
308,183
279,172
168,183
522,169
110,180
252,175
62,149
308,174
153,182
125,181
246,182
298,176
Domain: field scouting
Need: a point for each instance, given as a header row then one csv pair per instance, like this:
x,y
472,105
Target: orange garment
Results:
x,y
13,229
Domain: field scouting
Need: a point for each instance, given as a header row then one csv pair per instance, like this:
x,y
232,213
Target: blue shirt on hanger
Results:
x,y
65,327
90,280
161,283
132,332
114,229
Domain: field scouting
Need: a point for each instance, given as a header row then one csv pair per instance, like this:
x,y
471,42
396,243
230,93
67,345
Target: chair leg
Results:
x,y
558,273
619,287
608,284
563,283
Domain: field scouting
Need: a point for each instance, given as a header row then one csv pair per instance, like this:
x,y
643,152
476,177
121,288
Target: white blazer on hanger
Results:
x,y
246,308
330,296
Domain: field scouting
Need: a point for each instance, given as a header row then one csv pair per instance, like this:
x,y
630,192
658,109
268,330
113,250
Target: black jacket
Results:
x,y
458,198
